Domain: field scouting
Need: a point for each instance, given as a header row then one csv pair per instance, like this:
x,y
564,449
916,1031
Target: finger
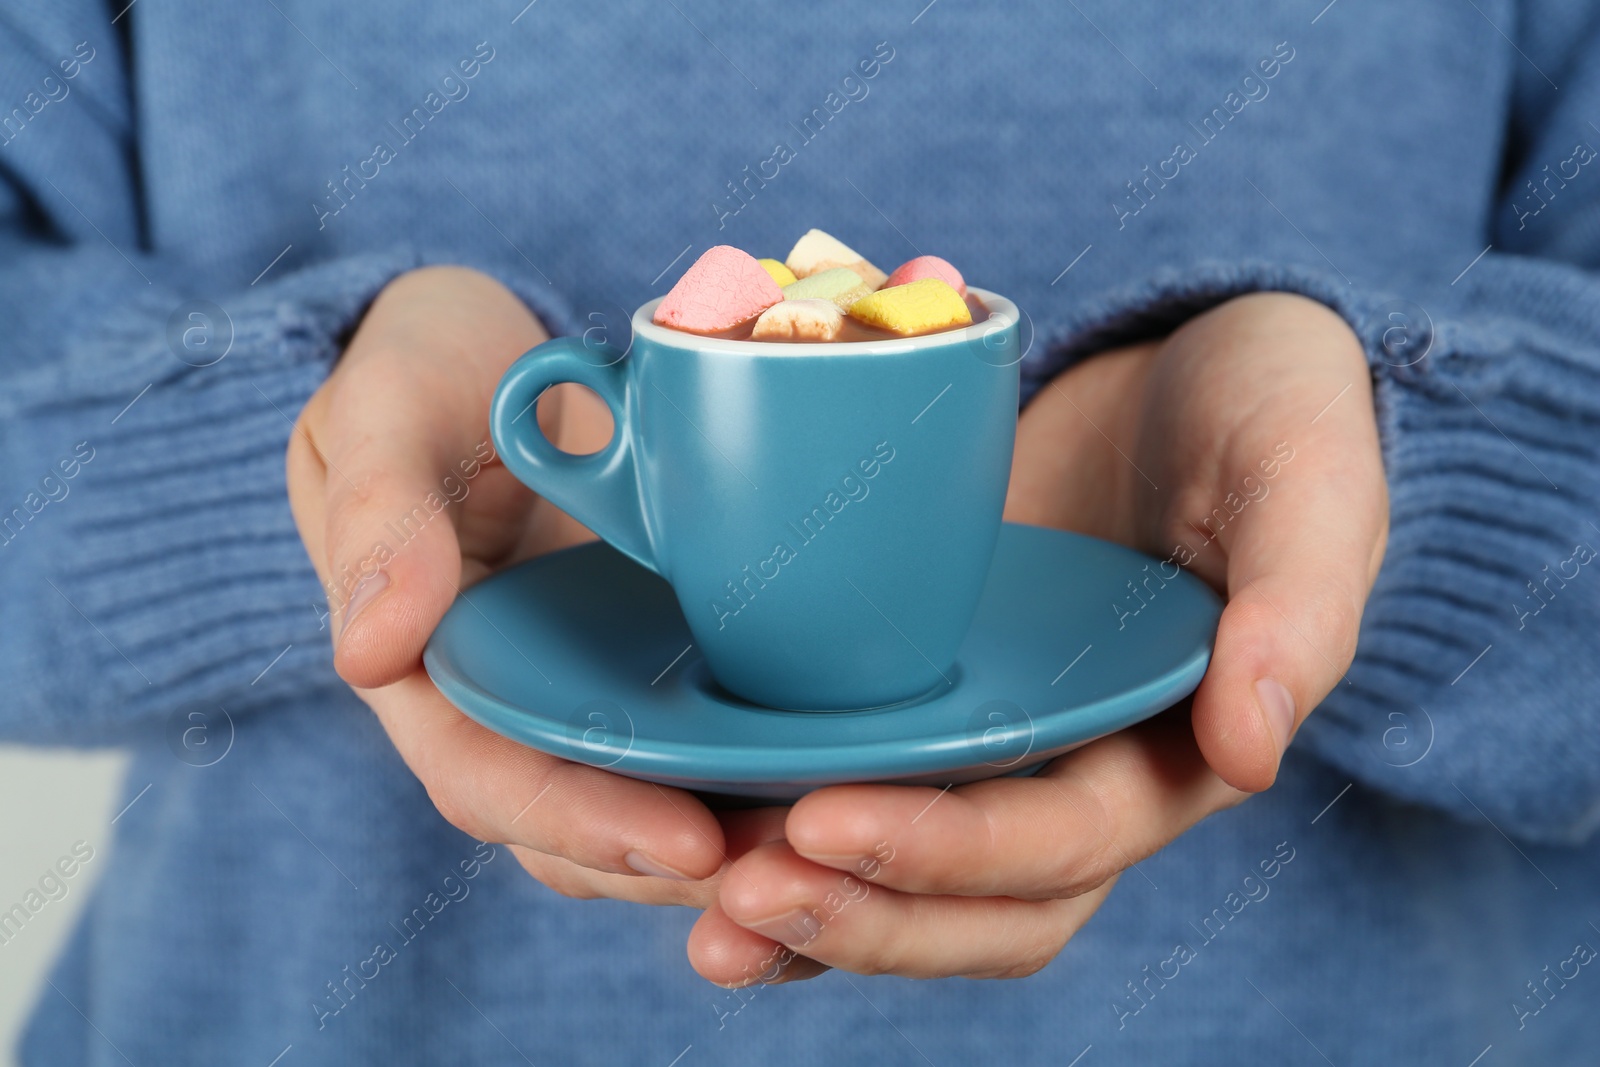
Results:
x,y
584,883
1300,565
746,828
1089,815
406,427
722,951
845,922
399,454
305,475
497,790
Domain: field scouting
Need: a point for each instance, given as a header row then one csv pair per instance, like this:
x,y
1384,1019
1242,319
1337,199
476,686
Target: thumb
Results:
x,y
401,426
393,553
1300,564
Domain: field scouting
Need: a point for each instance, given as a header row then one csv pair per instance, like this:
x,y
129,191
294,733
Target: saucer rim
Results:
x,y
845,762
711,764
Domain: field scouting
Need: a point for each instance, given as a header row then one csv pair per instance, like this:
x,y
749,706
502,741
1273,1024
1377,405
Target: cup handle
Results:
x,y
600,490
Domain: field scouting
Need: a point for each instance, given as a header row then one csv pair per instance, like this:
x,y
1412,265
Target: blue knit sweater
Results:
x,y
198,200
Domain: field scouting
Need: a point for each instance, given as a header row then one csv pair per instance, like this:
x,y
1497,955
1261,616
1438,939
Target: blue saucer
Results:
x,y
585,655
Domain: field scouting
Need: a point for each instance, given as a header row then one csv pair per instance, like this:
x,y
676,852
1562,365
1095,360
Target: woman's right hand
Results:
x,y
396,444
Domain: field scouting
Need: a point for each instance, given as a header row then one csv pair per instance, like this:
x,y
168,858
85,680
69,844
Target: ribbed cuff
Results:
x,y
530,285
170,577
1155,306
1470,692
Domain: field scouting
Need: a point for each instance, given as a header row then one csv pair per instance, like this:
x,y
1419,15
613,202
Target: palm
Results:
x,y
1242,448
397,430
501,522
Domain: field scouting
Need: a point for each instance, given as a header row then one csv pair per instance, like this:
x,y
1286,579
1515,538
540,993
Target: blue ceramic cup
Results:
x,y
826,513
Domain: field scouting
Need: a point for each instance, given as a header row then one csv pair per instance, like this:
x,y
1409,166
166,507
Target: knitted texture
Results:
x,y
193,221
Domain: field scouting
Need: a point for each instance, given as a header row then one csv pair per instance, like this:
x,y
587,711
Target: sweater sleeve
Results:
x,y
1474,680
1474,684
149,565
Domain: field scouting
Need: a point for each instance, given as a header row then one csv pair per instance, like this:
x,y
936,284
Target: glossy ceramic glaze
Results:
x,y
825,513
585,655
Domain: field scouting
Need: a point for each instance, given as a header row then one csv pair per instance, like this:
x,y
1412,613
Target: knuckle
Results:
x,y
1028,966
1250,615
1347,628
456,810
371,489
1035,943
438,767
580,831
1093,870
888,951
309,418
877,959
557,877
1097,857
1336,615
1038,944
894,950
298,445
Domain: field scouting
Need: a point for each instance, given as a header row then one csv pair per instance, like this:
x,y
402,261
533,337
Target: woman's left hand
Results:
x,y
1256,422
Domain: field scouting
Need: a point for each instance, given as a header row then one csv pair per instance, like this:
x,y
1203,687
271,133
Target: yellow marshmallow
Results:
x,y
780,274
922,306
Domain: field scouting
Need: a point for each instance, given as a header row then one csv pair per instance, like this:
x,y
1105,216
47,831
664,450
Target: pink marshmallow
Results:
x,y
927,267
725,288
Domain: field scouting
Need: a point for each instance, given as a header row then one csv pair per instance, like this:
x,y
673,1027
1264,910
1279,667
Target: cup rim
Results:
x,y
1003,315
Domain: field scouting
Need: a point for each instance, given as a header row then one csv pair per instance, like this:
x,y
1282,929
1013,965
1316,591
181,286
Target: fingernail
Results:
x,y
1278,703
643,864
365,592
791,928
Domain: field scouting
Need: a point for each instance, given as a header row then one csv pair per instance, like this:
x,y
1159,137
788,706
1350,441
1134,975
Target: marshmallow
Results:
x,y
927,267
817,252
725,288
840,285
921,306
780,274
799,320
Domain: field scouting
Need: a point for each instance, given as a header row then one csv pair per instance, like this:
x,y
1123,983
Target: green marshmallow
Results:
x,y
840,286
